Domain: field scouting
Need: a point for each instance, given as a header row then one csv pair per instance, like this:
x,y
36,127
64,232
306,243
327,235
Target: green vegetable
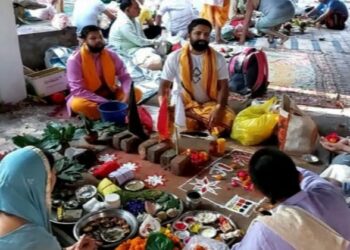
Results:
x,y
171,203
56,137
148,194
163,198
68,170
158,241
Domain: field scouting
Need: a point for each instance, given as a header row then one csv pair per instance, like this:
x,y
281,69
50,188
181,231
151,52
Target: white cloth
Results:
x,y
180,115
171,72
305,229
126,35
218,3
338,172
86,12
180,14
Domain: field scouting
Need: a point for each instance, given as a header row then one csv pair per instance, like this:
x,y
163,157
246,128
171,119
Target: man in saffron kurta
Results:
x,y
201,76
95,75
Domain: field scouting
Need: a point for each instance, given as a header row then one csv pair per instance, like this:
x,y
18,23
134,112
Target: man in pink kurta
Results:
x,y
81,99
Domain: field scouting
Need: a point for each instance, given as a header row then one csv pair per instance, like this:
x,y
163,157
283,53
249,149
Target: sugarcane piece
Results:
x,y
142,149
180,165
130,144
166,158
119,137
154,152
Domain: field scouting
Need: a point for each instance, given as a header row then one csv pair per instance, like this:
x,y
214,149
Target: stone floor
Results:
x,y
329,52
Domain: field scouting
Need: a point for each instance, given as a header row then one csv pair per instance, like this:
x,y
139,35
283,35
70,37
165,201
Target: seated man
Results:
x,y
342,147
87,12
332,13
180,14
93,74
309,213
201,75
127,36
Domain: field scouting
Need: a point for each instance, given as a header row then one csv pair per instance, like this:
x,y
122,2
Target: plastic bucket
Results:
x,y
113,111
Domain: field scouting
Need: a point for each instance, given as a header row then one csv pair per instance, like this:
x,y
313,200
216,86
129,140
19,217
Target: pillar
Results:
x,y
12,85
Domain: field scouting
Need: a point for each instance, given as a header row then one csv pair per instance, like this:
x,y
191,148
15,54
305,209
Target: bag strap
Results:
x,y
260,80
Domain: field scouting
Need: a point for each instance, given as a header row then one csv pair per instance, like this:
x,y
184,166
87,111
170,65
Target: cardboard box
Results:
x,y
48,81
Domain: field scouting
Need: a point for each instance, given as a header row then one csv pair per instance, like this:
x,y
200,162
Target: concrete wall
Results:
x,y
12,87
33,46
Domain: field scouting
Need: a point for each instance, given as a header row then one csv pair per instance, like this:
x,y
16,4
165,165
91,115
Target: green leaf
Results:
x,y
52,131
69,132
68,170
25,140
78,133
157,241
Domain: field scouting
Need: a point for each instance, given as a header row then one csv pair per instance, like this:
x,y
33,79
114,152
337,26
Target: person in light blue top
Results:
x,y
332,13
26,182
274,14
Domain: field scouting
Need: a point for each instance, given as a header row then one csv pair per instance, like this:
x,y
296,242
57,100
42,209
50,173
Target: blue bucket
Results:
x,y
113,111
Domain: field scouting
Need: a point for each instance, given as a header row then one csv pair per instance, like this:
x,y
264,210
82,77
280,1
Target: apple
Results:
x,y
58,98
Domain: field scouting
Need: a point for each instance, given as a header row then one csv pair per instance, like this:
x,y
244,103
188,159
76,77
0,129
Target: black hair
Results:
x,y
87,29
198,21
123,4
50,158
274,174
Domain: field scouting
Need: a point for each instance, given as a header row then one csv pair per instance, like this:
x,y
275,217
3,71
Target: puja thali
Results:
x,y
67,204
209,224
109,227
164,206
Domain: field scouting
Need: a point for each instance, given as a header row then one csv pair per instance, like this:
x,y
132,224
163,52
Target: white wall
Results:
x,y
12,86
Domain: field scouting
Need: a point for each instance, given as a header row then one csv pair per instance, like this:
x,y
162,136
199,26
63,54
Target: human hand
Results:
x,y
335,146
216,116
84,243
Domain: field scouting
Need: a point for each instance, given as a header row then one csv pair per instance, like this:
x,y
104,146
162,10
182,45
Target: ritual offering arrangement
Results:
x,y
209,224
108,227
69,205
163,206
198,158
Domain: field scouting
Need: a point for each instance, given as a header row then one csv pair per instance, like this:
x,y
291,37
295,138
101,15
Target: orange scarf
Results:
x,y
91,78
209,76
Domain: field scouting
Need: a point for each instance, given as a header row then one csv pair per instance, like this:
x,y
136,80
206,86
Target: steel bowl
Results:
x,y
109,212
310,158
85,193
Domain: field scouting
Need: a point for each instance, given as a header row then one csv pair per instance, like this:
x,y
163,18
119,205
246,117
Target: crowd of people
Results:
x,y
311,207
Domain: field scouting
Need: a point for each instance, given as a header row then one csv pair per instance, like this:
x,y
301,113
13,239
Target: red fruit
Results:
x,y
235,183
58,98
333,137
222,50
242,175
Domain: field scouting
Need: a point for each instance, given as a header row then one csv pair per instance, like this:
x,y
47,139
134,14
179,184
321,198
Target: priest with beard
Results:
x,y
200,75
96,75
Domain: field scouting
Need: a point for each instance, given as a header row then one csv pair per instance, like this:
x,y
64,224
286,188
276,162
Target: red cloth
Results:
x,y
105,169
237,22
163,120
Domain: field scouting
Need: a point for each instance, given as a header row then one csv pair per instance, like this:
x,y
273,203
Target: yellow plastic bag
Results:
x,y
255,124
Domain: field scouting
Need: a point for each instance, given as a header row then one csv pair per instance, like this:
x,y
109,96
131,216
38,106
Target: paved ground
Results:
x,y
328,51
